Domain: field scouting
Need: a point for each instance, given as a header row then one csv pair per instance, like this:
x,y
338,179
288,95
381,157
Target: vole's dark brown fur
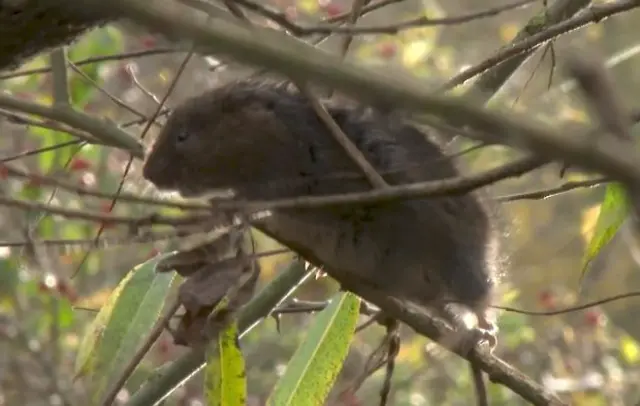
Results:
x,y
252,136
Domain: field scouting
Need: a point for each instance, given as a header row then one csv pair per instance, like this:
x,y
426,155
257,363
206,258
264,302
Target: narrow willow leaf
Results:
x,y
225,381
613,211
121,326
318,360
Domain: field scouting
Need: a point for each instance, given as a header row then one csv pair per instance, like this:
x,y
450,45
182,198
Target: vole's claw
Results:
x,y
488,337
469,339
489,331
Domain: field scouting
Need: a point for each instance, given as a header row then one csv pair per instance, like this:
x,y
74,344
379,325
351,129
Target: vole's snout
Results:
x,y
156,172
147,173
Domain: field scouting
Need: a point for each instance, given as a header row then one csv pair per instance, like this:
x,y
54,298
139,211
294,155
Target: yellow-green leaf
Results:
x,y
629,349
318,360
613,212
224,377
415,52
121,326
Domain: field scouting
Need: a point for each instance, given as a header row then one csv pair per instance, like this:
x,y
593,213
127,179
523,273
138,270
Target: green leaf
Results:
x,y
31,193
613,212
47,227
56,158
9,279
45,159
318,360
107,40
72,231
122,325
225,380
64,315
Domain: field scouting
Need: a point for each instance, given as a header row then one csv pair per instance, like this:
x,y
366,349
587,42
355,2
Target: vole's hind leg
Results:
x,y
470,328
489,329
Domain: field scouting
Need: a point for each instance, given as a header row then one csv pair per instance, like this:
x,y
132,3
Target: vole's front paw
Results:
x,y
468,339
489,332
468,333
488,337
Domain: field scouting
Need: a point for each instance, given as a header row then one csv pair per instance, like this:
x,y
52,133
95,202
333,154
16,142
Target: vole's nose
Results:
x,y
152,169
158,170
146,172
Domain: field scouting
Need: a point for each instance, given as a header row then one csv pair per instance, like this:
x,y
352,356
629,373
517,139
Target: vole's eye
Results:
x,y
182,136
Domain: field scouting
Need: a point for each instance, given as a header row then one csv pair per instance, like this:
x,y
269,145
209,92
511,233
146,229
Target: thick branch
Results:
x,y
29,27
498,370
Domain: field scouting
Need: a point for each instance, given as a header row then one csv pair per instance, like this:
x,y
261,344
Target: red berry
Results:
x,y
153,253
42,287
34,182
387,50
106,207
593,318
547,299
4,172
105,225
332,10
291,13
90,107
349,398
148,41
79,164
67,291
124,72
164,346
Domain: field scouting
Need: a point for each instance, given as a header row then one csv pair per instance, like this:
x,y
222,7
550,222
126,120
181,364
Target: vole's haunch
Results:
x,y
265,142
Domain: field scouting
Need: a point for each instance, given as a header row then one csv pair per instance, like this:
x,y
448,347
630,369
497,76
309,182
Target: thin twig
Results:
x,y
152,337
600,93
85,137
60,89
107,133
100,217
102,90
95,59
123,196
594,13
349,147
134,77
299,31
439,188
548,193
104,242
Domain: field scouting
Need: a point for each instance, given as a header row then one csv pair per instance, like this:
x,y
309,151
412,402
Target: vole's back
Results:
x,y
428,249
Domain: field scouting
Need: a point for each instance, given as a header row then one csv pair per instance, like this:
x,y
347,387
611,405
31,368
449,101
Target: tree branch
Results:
x,y
103,131
496,76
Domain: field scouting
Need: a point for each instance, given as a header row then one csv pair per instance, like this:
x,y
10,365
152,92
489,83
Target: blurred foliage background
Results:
x,y
49,294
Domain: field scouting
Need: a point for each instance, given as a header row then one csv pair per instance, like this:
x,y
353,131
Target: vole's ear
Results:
x,y
230,103
259,111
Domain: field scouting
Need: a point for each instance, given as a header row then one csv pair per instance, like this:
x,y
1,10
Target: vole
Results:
x,y
266,142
